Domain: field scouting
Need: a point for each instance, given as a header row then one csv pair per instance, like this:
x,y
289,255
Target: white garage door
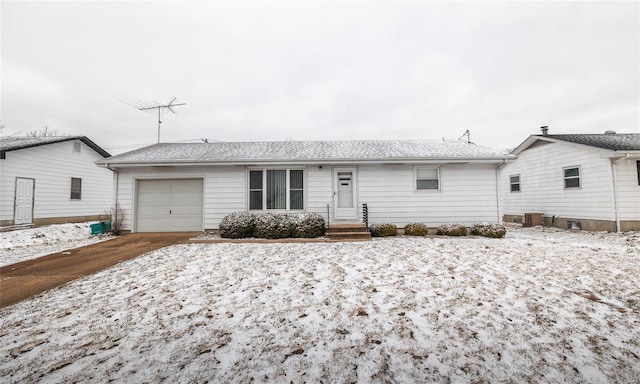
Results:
x,y
169,205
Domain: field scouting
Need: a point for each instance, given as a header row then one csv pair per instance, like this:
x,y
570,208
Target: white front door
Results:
x,y
23,212
344,193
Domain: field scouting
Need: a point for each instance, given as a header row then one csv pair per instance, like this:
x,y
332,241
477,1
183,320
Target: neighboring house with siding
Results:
x,y
191,187
587,181
52,179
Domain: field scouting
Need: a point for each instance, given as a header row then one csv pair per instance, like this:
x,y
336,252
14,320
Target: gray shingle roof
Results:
x,y
12,143
312,151
615,142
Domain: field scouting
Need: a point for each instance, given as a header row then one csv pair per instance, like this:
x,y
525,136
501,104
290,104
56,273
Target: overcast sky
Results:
x,y
255,71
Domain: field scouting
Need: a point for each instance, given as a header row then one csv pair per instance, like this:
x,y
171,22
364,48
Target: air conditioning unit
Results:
x,y
533,219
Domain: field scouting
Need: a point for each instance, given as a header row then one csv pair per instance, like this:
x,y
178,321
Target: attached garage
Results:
x,y
169,205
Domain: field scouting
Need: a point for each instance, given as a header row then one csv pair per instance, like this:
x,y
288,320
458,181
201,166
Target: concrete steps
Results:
x,y
348,232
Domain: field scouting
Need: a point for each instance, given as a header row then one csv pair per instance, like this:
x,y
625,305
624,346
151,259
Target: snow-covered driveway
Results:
x,y
539,306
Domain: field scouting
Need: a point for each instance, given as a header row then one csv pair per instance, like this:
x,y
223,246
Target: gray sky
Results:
x,y
254,71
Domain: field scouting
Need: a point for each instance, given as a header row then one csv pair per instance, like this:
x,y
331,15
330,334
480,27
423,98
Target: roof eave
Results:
x,y
84,139
255,162
622,154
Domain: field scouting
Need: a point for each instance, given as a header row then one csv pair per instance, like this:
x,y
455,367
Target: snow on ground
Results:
x,y
31,243
542,305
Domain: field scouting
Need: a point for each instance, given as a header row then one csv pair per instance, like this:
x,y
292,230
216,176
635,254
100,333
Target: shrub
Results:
x,y
307,225
272,226
238,225
416,229
489,230
452,230
383,230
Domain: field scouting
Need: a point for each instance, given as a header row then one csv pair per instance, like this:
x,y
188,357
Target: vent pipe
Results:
x,y
545,130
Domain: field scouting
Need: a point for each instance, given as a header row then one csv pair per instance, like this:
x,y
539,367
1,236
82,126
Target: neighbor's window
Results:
x,y
76,188
76,147
514,181
276,189
572,177
638,169
427,178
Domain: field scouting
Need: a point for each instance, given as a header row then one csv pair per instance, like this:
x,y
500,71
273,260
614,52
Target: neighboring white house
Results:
x,y
52,179
590,181
191,187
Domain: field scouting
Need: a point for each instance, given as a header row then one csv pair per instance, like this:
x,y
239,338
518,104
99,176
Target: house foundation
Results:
x,y
577,223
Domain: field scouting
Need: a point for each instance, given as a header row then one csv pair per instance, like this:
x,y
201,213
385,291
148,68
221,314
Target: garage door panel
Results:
x,y
174,205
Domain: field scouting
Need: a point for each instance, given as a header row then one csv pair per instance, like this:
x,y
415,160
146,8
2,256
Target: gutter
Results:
x,y
616,207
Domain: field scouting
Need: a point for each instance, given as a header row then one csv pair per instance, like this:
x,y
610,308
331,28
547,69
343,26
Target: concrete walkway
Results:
x,y
28,278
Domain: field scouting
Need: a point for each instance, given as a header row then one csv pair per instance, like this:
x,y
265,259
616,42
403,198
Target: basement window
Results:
x,y
571,177
514,182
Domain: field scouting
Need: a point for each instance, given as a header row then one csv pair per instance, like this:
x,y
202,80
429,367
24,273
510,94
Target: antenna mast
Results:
x,y
468,134
150,106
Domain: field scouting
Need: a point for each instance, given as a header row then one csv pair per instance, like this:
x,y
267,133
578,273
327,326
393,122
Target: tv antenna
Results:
x,y
150,107
468,134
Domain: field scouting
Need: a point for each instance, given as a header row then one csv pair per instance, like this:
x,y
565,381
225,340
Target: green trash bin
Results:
x,y
106,226
96,228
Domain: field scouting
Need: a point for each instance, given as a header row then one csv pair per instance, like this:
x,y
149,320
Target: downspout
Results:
x,y
498,193
616,208
116,175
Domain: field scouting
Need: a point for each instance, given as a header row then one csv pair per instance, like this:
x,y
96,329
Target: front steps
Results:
x,y
348,232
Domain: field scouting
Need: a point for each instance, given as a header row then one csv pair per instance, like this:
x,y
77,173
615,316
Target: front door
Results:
x,y
344,193
23,211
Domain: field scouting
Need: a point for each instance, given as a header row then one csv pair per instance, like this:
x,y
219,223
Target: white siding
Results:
x,y
628,190
467,195
52,166
542,183
468,192
319,190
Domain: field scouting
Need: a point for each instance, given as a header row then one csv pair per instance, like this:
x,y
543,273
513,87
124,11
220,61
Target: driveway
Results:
x,y
28,278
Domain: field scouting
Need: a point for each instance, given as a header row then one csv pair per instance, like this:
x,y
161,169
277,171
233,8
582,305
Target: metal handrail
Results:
x,y
365,214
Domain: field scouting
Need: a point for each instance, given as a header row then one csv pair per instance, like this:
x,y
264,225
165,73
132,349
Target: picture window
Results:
x,y
277,189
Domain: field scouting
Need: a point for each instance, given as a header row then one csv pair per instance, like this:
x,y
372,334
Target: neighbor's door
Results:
x,y
344,194
23,212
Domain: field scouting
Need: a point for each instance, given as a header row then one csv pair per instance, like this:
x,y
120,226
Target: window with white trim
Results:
x,y
571,177
427,179
76,188
514,183
77,146
280,189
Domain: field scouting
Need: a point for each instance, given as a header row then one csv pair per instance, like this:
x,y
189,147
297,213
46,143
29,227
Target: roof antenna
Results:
x,y
149,107
468,134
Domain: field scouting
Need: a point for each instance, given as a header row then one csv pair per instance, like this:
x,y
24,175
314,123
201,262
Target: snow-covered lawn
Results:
x,y
26,244
542,305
